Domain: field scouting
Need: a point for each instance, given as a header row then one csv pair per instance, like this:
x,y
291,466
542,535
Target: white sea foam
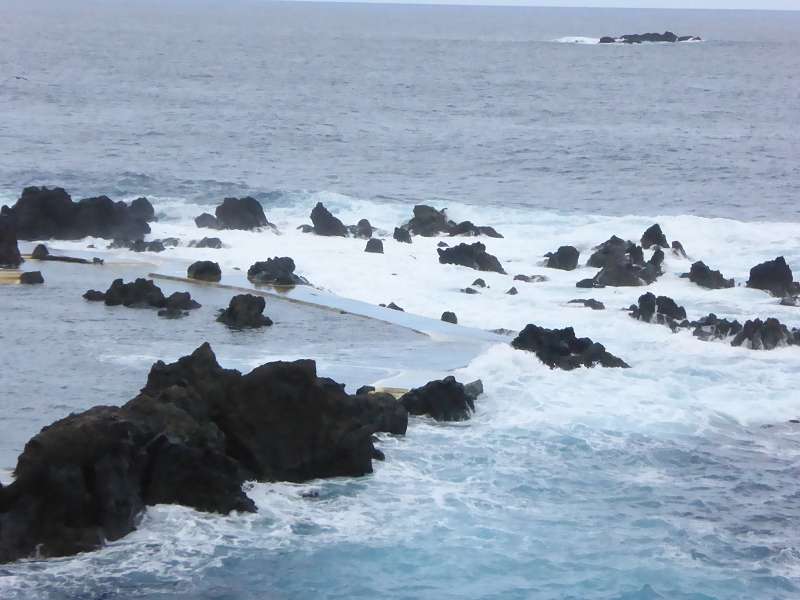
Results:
x,y
577,39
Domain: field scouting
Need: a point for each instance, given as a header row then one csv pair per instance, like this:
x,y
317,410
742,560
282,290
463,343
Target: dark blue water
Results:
x,y
452,104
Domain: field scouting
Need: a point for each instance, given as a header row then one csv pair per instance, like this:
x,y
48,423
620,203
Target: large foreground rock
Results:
x,y
245,311
275,271
193,435
444,399
235,213
325,223
562,349
10,257
773,276
473,256
44,213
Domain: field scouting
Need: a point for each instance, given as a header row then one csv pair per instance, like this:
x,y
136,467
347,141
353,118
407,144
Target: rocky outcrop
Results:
x,y
10,257
44,213
773,276
565,258
560,348
711,327
374,246
613,250
449,317
402,235
479,282
245,311
653,236
204,270
193,436
473,256
639,38
235,213
622,264
40,252
444,399
677,249
429,222
512,291
325,223
392,306
589,303
141,293
275,271
703,276
31,278
142,209
766,335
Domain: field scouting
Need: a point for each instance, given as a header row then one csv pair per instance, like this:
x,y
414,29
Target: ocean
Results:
x,y
677,479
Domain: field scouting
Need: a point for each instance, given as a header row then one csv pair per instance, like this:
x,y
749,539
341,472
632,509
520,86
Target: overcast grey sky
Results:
x,y
750,4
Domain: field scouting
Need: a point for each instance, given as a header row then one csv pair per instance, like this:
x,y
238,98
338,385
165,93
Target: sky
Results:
x,y
719,4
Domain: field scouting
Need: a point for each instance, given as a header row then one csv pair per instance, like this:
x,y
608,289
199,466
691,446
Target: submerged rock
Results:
x,y
325,223
374,246
245,311
44,213
402,235
363,229
479,282
562,349
392,306
589,303
712,327
193,436
275,271
639,38
31,278
10,257
565,258
530,278
473,256
204,270
512,291
206,221
207,242
703,276
773,276
444,400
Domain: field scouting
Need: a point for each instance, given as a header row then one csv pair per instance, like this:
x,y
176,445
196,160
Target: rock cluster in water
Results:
x,y
141,293
429,222
235,213
638,38
49,213
245,311
560,348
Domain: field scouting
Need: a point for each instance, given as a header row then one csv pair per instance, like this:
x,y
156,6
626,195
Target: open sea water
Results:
x,y
676,479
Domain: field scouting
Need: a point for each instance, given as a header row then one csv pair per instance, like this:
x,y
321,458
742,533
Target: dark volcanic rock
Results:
x,y
512,291
31,278
393,306
565,258
705,277
9,247
607,40
325,223
663,310
193,436
207,242
245,311
42,214
449,317
589,303
653,236
180,301
207,221
375,246
172,313
204,270
443,399
479,282
588,283
473,256
639,38
530,278
469,290
774,276
240,213
94,296
622,265
766,335
151,246
610,251
428,222
560,348
275,271
402,235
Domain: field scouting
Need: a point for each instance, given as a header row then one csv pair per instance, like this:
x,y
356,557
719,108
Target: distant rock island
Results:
x,y
638,38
